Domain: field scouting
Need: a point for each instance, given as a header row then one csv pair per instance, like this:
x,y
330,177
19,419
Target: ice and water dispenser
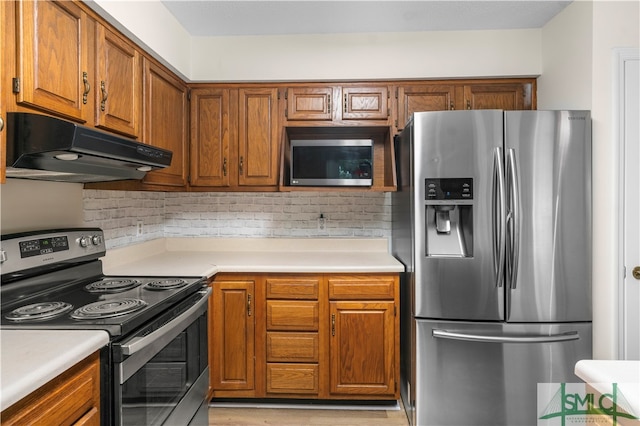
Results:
x,y
449,217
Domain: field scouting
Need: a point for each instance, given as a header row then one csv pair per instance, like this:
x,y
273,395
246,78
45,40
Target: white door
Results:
x,y
629,291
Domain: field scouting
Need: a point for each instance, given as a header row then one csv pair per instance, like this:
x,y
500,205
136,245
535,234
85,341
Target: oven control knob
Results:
x,y
85,241
96,240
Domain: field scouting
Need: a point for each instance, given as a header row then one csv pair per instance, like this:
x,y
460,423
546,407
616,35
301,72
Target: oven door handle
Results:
x,y
168,332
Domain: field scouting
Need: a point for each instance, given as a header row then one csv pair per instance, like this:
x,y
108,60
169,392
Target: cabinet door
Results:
x,y
210,160
365,103
53,40
508,96
233,339
309,103
362,352
258,137
165,123
118,85
423,97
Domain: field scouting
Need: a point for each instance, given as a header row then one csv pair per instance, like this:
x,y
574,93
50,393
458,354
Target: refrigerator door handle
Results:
x,y
498,217
470,337
513,218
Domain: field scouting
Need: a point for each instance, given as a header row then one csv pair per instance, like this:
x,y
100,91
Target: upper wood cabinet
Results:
x,y
70,65
336,103
507,94
235,137
54,71
166,123
118,83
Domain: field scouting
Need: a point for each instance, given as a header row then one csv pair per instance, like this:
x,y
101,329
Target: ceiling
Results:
x,y
266,17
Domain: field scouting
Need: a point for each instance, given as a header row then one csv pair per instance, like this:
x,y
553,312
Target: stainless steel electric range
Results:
x,y
155,368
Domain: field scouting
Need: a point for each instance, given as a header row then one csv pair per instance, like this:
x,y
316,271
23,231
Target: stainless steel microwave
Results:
x,y
331,162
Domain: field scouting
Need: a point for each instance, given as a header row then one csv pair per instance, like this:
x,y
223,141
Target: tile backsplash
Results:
x,y
233,214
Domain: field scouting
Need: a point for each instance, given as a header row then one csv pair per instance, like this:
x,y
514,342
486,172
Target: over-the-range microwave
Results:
x,y
331,162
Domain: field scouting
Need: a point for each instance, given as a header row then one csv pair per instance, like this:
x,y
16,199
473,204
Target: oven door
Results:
x,y
161,374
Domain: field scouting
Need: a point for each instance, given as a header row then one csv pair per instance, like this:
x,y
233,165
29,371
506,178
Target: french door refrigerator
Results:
x,y
492,220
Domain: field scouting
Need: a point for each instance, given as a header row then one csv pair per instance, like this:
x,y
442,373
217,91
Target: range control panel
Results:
x,y
449,189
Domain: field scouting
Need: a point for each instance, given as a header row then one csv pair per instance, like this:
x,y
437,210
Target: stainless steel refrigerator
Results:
x,y
492,220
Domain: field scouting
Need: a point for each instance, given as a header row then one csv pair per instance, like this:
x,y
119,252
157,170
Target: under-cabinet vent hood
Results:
x,y
47,148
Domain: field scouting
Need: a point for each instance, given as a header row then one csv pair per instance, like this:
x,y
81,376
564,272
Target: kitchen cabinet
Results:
x,y
71,398
336,104
118,83
306,336
364,335
165,124
293,337
54,69
232,336
235,138
507,94
74,67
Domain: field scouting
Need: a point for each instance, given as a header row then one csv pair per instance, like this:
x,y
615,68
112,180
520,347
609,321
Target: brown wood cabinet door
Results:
x,y
118,83
424,97
166,123
233,335
258,137
365,103
53,40
309,103
210,150
362,352
516,96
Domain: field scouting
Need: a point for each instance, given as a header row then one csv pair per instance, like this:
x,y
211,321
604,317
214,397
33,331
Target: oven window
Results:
x,y
150,395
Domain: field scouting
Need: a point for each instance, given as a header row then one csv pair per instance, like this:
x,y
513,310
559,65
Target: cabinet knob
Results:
x,y
1,124
636,273
468,104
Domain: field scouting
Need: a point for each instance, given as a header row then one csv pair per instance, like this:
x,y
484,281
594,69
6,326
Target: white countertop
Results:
x,y
208,256
31,358
602,374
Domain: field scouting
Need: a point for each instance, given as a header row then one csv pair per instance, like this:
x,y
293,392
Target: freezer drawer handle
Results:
x,y
455,335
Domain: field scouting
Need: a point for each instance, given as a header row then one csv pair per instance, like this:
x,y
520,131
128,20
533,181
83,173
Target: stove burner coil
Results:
x,y
112,285
108,309
166,284
39,311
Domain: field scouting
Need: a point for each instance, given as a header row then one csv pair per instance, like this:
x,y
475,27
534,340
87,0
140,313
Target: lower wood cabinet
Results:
x,y
72,398
307,336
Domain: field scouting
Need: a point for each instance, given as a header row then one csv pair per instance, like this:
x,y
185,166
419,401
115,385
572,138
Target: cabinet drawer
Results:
x,y
356,287
293,288
292,315
292,347
292,378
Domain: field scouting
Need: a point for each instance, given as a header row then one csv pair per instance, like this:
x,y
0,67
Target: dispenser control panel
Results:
x,y
449,189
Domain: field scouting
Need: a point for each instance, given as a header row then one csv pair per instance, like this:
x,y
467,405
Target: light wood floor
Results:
x,y
247,416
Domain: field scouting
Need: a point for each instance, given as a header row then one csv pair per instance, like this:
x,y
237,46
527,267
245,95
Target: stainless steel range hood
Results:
x,y
47,148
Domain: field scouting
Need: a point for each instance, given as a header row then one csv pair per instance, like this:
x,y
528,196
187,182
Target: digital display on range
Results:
x,y
43,246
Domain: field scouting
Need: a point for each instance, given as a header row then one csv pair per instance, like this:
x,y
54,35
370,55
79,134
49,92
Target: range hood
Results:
x,y
47,148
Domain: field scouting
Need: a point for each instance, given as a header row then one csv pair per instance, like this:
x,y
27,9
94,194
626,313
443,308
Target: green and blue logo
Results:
x,y
573,403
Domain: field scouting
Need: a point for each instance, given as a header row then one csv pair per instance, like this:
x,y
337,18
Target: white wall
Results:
x,y
437,54
585,80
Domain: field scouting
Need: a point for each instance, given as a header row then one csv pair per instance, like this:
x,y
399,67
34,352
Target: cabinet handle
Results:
x,y
345,104
87,87
241,166
104,95
451,107
329,104
333,324
1,124
468,104
224,166
249,304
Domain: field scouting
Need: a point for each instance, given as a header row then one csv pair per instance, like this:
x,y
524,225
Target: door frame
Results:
x,y
623,142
